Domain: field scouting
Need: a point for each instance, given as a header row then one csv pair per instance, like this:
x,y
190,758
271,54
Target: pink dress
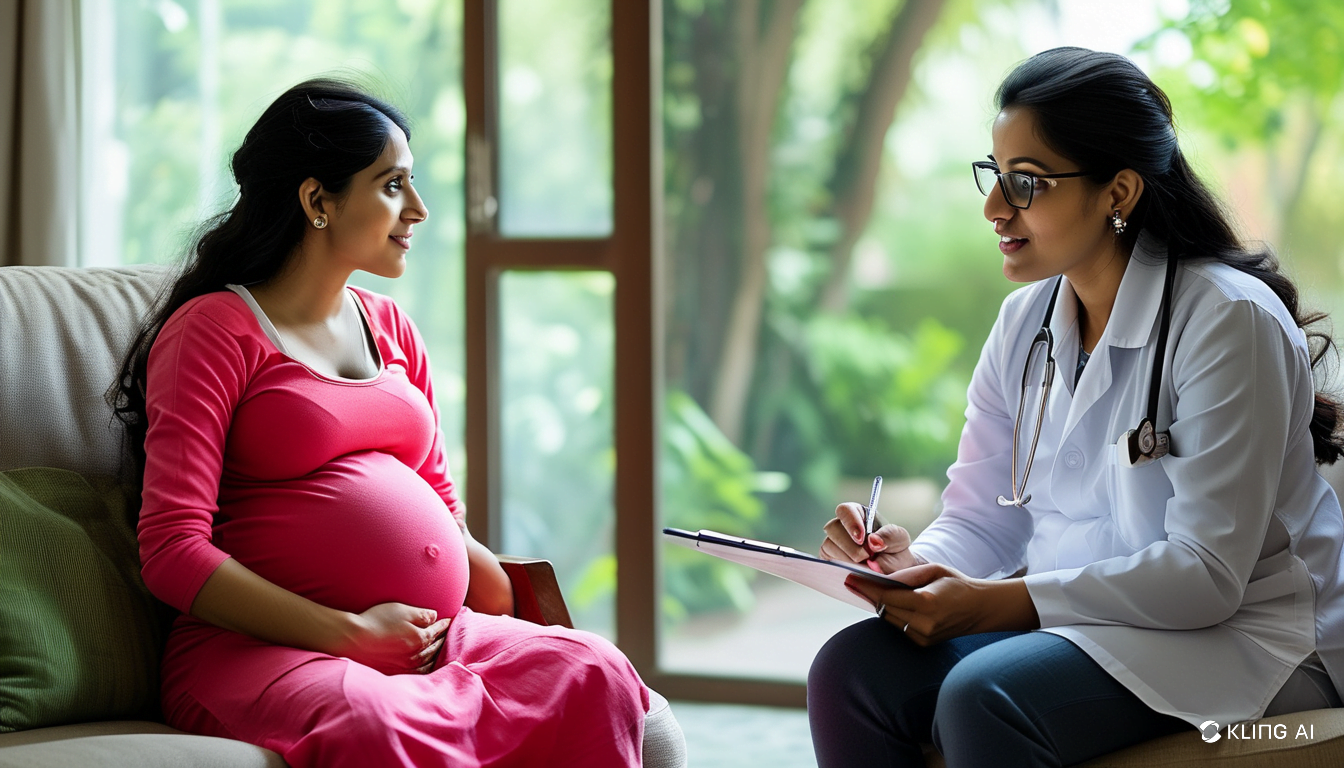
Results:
x,y
338,490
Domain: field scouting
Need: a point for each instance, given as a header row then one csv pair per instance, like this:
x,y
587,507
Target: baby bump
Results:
x,y
363,530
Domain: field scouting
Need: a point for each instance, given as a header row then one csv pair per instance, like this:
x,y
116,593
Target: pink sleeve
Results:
x,y
435,468
197,372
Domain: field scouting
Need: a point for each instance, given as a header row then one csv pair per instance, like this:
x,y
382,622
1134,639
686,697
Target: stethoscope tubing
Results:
x,y
1020,496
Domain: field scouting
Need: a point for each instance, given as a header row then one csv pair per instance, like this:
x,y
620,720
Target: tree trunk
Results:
x,y
764,43
719,227
1290,189
854,181
704,232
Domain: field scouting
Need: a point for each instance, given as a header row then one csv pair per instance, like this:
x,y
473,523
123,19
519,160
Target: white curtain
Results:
x,y
39,132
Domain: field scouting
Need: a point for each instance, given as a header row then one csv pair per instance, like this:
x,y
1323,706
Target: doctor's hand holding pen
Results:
x,y
942,602
884,550
851,538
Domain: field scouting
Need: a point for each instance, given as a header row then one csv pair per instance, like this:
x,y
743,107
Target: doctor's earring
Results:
x,y
1117,223
321,221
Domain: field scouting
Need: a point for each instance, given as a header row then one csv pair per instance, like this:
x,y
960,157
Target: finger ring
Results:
x,y
906,628
881,610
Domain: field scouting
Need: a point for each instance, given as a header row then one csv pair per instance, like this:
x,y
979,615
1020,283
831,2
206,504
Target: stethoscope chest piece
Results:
x,y
1142,445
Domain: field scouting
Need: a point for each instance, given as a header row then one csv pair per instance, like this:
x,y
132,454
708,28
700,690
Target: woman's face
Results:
x,y
370,228
1066,228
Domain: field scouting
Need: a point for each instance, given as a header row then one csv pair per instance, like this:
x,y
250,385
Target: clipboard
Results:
x,y
825,576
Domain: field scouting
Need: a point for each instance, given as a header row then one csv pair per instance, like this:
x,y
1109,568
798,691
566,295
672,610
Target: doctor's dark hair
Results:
x,y
1102,112
325,129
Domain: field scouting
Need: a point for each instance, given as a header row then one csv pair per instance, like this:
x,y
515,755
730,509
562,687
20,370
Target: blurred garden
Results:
x,y
828,277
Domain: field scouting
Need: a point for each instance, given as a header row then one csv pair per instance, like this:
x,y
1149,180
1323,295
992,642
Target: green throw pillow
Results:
x,y
80,636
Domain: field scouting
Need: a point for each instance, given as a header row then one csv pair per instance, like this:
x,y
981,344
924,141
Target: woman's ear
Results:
x,y
313,198
1124,192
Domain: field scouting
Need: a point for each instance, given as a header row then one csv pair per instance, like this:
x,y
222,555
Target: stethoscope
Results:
x,y
1137,447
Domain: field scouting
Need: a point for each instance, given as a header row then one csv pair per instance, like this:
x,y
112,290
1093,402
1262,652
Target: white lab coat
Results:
x,y
1201,580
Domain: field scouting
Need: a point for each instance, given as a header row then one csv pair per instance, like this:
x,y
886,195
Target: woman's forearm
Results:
x,y
490,590
237,599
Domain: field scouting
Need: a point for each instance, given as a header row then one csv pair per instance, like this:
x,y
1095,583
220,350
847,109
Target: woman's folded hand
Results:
x,y
395,638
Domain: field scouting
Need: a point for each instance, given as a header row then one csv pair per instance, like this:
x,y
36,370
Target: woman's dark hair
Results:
x,y
324,129
1101,111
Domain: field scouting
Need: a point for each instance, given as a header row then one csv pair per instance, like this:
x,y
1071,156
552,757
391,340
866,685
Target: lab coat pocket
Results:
x,y
1139,498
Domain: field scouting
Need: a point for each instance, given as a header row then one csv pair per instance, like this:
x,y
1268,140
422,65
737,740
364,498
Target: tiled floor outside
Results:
x,y
729,736
777,639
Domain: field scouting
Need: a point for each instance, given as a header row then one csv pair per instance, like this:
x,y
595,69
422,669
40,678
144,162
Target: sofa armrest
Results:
x,y
536,593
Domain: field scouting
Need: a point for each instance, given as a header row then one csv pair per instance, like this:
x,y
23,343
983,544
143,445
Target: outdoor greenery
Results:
x,y
1263,82
710,484
829,277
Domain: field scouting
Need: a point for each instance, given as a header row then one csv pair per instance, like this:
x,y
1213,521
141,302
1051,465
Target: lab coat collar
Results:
x,y
1136,303
1140,296
1064,329
1131,323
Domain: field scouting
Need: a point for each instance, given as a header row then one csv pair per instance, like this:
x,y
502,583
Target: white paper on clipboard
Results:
x,y
825,576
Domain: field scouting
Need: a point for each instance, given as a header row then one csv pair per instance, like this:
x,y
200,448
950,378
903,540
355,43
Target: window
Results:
x,y
723,292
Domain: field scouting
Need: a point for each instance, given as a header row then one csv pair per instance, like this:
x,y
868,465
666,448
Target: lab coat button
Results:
x,y
1073,459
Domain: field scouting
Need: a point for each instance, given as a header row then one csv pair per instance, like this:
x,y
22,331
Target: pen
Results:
x,y
871,512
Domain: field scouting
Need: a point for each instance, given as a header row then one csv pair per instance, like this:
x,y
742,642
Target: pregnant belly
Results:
x,y
363,530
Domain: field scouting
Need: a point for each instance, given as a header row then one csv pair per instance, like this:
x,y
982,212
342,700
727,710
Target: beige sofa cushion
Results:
x,y
127,743
62,335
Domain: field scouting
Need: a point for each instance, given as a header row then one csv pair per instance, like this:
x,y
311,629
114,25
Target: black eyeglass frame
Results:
x,y
1031,189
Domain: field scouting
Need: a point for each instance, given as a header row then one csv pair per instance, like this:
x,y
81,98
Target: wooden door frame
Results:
x,y
633,256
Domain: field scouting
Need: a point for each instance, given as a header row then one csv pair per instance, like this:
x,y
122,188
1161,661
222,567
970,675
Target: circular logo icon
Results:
x,y
1208,731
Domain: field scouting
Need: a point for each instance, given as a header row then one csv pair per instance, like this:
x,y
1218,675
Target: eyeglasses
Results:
x,y
1017,186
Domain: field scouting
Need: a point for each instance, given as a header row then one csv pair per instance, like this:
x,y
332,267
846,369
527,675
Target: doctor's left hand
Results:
x,y
946,603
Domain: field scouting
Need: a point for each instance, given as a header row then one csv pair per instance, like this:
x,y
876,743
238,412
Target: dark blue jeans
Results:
x,y
996,699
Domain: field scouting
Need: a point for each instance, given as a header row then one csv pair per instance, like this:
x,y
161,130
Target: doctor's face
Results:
x,y
1065,229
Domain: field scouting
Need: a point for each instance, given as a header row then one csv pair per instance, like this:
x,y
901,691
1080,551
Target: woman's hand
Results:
x,y
886,550
394,638
947,603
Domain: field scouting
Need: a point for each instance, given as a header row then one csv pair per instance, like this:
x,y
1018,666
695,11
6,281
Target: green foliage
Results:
x,y
892,403
555,118
558,468
707,483
1265,79
1252,61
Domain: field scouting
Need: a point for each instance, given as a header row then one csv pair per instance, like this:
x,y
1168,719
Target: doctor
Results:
x,y
1141,441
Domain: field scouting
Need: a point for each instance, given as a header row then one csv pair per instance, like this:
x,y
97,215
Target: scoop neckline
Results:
x,y
272,335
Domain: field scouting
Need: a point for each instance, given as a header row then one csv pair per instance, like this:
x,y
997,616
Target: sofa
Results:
x,y
79,634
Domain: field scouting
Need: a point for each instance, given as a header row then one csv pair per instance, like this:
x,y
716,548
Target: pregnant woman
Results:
x,y
298,508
